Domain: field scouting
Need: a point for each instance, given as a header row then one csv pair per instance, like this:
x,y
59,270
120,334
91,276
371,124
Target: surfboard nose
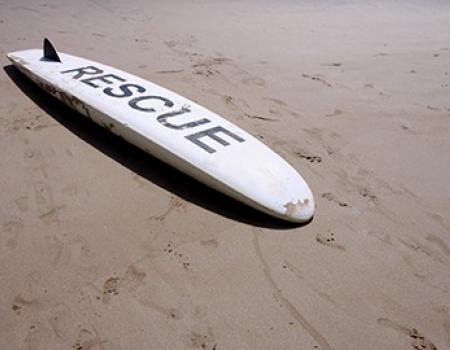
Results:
x,y
24,58
300,211
14,57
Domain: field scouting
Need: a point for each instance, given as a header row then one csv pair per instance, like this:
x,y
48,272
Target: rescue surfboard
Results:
x,y
174,129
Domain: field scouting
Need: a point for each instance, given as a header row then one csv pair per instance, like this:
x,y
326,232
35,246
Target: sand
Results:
x,y
104,247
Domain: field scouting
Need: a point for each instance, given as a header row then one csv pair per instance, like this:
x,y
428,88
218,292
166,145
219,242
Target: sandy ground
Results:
x,y
104,247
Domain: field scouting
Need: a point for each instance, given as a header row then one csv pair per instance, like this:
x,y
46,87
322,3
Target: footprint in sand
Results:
x,y
133,279
77,346
210,244
335,113
111,287
331,197
202,341
317,78
418,340
308,157
88,340
329,241
208,66
20,304
366,193
178,255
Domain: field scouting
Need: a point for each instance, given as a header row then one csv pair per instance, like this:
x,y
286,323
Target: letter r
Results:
x,y
90,70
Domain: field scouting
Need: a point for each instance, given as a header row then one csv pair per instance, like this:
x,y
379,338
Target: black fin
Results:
x,y
50,52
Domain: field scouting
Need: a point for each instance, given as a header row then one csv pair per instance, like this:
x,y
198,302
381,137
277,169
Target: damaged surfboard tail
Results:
x,y
50,52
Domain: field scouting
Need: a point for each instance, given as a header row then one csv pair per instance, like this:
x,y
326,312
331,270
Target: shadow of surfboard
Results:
x,y
141,163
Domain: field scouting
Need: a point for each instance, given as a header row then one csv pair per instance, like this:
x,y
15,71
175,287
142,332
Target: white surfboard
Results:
x,y
174,129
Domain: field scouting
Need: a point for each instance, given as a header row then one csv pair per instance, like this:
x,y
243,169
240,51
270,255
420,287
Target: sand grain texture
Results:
x,y
104,247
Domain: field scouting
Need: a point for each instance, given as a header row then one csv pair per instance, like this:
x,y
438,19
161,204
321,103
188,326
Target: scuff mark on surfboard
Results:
x,y
66,98
292,207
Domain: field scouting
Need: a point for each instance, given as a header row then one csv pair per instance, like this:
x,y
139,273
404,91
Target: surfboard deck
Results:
x,y
174,129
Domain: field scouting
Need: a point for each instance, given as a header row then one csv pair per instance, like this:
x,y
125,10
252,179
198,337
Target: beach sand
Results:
x,y
104,247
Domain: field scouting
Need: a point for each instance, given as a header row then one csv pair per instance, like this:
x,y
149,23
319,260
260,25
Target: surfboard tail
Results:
x,y
50,52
